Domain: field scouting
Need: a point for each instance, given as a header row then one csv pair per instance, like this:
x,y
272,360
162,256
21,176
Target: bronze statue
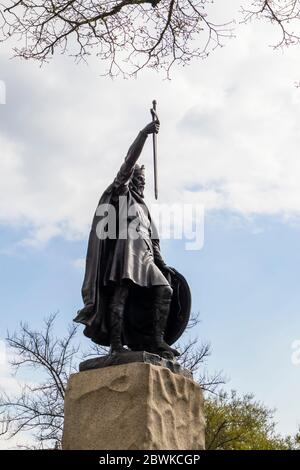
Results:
x,y
131,297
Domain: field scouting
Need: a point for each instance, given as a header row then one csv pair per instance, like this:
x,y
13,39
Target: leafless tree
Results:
x,y
39,407
284,14
127,34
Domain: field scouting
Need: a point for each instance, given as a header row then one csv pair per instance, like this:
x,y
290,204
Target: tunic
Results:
x,y
134,259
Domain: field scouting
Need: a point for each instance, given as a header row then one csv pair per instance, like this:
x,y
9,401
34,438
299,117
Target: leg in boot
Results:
x,y
116,310
161,308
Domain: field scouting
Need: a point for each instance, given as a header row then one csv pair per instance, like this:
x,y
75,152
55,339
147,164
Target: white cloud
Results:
x,y
2,92
8,381
79,263
229,136
11,385
2,353
16,443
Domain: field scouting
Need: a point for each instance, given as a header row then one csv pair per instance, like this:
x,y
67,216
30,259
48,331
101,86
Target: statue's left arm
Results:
x,y
158,260
157,255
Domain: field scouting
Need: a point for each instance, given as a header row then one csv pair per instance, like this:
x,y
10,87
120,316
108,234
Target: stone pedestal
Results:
x,y
137,406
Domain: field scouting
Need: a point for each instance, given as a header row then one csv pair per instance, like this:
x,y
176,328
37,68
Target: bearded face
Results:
x,y
138,181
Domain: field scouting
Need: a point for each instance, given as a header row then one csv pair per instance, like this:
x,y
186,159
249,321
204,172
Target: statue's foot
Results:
x,y
167,355
164,350
118,350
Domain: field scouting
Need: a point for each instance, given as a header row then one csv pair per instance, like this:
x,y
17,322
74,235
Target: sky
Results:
x,y
229,142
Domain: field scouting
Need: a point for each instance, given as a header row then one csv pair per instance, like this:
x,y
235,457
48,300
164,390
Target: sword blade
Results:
x,y
154,138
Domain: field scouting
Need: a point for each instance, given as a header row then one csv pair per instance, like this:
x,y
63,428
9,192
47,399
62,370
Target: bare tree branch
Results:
x,y
193,357
284,14
127,35
39,408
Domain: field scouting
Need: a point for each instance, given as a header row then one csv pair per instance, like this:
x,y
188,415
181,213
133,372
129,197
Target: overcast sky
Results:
x,y
229,140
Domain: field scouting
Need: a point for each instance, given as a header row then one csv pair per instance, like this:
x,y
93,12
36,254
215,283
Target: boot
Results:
x,y
116,323
161,313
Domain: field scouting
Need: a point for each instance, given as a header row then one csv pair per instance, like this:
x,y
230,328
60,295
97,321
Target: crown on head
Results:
x,y
139,170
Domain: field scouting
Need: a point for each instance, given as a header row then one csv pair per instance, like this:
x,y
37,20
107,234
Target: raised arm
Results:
x,y
124,174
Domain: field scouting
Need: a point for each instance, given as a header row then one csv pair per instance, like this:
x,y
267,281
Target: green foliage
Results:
x,y
241,423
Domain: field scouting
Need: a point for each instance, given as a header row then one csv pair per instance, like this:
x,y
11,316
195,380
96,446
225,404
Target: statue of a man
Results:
x,y
131,297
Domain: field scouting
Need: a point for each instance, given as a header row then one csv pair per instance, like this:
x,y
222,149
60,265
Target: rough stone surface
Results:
x,y
134,356
135,406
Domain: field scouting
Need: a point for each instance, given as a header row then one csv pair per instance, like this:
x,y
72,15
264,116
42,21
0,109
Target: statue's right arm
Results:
x,y
125,173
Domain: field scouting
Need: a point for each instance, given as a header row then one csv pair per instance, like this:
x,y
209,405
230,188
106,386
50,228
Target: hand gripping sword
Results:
x,y
154,136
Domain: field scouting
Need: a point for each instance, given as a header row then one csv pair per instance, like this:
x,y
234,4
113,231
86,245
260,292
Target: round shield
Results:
x,y
180,308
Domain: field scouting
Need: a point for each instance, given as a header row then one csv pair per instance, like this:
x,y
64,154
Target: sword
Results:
x,y
154,137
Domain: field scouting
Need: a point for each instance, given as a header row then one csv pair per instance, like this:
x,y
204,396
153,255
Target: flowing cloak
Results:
x,y
109,262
